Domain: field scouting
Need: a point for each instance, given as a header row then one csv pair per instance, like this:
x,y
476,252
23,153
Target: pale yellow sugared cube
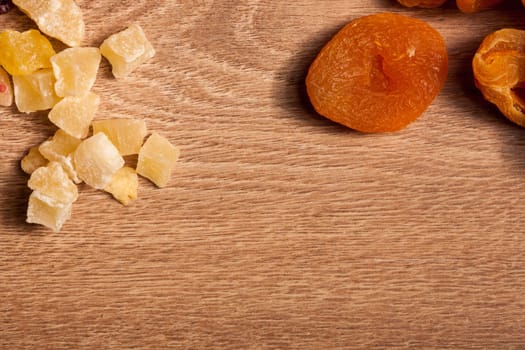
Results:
x,y
96,160
36,91
157,157
74,114
60,149
52,185
127,50
32,161
123,185
75,70
61,19
40,212
126,134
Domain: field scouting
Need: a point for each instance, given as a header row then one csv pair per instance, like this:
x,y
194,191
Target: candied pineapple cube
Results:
x,y
74,114
60,149
6,90
60,19
127,50
126,134
75,70
53,186
123,185
24,53
33,160
157,157
40,212
36,91
96,160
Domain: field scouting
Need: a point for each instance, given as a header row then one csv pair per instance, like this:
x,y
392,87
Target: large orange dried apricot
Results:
x,y
422,3
469,6
499,72
379,73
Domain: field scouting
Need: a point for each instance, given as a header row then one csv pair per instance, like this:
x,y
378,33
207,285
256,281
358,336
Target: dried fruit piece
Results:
x,y
127,50
379,73
74,114
6,90
422,3
157,157
52,185
126,134
5,6
123,185
499,74
96,160
33,160
24,53
75,70
60,19
60,149
469,6
35,92
40,212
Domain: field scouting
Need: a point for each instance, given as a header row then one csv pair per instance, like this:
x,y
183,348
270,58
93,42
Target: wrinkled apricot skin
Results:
x,y
499,73
470,6
422,3
379,73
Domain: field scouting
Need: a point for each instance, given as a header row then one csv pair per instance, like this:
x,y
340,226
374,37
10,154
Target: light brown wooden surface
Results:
x,y
279,229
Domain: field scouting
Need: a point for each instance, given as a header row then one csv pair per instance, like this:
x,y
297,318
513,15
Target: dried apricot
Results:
x,y
422,3
24,53
379,73
469,6
499,74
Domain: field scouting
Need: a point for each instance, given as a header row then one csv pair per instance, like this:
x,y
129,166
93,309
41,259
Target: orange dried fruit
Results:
x,y
422,3
469,6
24,53
379,73
499,73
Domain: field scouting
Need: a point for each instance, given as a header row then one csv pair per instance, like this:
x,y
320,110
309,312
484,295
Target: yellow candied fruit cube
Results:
x,y
75,70
24,53
123,185
96,160
60,149
74,114
36,91
6,90
157,157
60,19
127,50
32,161
53,186
40,212
126,134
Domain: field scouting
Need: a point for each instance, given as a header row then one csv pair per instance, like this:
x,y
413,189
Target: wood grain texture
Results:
x,y
279,229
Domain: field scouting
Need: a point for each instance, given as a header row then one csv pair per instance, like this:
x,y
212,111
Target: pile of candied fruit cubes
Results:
x,y
82,149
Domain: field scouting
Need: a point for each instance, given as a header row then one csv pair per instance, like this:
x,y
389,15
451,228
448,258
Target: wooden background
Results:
x,y
279,229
